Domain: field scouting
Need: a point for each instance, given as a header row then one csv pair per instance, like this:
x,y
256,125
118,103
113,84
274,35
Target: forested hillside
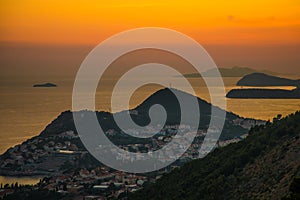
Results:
x,y
263,166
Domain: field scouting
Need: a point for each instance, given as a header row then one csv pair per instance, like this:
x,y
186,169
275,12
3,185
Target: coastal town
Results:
x,y
69,169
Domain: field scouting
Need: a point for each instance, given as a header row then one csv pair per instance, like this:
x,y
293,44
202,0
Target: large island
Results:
x,y
264,80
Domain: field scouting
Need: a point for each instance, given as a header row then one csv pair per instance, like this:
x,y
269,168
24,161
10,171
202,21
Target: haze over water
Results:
x,y
25,111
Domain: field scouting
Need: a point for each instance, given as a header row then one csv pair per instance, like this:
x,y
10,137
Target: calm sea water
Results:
x,y
25,111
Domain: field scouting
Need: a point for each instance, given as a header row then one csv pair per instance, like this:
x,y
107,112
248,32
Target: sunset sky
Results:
x,y
258,34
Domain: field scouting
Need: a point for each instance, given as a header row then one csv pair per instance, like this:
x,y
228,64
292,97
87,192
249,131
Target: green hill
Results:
x,y
265,165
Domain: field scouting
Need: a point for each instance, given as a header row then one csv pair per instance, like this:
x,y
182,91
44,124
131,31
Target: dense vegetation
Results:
x,y
294,190
263,166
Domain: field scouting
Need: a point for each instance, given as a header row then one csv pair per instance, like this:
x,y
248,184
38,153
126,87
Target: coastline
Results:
x,y
8,173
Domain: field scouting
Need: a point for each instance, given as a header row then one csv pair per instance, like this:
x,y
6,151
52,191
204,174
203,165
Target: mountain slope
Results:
x,y
260,167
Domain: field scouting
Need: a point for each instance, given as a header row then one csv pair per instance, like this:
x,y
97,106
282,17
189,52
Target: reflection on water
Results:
x,y
266,87
26,180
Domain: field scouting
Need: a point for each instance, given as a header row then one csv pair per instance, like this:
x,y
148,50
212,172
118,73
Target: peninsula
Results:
x,y
58,147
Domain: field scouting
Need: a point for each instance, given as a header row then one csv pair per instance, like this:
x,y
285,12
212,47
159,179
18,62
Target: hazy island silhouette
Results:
x,y
264,80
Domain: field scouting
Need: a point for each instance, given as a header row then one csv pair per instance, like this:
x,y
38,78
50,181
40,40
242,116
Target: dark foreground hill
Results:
x,y
265,165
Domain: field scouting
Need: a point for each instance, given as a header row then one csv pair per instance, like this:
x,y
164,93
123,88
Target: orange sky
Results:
x,y
209,22
42,37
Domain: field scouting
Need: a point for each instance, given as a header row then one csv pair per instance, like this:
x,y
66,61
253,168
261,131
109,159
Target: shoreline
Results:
x,y
20,174
22,180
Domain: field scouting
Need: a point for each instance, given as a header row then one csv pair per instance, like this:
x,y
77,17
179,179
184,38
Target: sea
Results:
x,y
26,110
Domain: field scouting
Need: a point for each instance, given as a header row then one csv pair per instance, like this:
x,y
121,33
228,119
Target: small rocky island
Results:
x,y
45,85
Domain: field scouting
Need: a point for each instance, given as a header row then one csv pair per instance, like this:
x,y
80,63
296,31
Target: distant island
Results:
x,y
45,85
263,80
263,94
229,72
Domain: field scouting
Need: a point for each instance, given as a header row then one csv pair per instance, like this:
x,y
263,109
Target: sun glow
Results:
x,y
210,22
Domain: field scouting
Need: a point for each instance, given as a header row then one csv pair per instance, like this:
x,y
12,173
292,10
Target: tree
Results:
x,y
65,187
